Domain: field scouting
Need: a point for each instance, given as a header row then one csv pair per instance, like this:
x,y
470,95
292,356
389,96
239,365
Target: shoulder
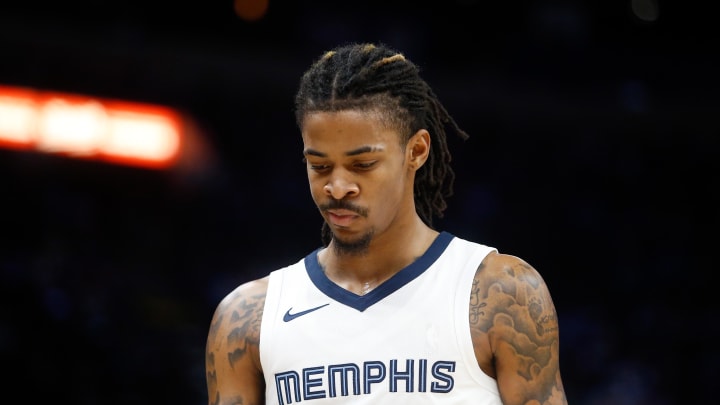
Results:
x,y
246,297
504,288
503,268
252,290
510,302
240,311
511,289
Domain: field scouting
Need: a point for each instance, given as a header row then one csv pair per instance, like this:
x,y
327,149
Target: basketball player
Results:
x,y
389,310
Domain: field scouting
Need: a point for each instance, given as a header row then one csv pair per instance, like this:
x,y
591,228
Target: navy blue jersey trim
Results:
x,y
404,276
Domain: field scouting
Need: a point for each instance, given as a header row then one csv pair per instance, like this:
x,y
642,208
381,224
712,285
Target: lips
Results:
x,y
341,218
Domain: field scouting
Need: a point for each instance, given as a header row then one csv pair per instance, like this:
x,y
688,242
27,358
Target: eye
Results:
x,y
365,165
319,168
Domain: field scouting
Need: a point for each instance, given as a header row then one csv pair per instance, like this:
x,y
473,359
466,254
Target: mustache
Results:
x,y
343,205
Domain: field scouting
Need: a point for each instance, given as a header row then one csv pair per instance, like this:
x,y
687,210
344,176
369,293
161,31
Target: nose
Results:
x,y
339,188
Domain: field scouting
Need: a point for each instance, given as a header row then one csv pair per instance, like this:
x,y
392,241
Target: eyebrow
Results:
x,y
354,152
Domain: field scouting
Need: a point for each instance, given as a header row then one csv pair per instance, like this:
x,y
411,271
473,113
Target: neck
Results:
x,y
386,255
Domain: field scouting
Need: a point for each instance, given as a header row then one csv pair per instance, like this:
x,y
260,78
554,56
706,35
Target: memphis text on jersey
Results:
x,y
354,379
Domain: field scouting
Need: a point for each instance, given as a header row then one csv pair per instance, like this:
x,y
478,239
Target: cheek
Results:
x,y
389,193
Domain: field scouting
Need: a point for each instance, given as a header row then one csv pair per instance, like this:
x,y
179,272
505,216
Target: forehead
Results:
x,y
347,130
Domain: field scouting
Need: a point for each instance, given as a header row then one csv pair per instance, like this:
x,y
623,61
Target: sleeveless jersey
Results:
x,y
405,342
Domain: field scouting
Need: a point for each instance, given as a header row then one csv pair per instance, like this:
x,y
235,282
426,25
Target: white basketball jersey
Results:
x,y
405,342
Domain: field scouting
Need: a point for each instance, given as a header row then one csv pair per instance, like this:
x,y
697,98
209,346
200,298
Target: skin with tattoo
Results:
x,y
514,331
232,359
386,290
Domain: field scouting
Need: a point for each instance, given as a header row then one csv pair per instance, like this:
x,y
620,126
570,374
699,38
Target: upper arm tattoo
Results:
x,y
233,334
514,307
245,324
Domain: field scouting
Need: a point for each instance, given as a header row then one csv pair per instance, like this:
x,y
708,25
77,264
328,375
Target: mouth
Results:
x,y
341,218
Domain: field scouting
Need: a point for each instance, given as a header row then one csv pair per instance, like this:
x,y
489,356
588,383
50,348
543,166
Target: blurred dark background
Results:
x,y
594,133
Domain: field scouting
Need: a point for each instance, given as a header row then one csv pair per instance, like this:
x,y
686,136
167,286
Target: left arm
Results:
x,y
515,334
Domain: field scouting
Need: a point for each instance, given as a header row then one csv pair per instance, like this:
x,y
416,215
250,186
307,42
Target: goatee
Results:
x,y
355,247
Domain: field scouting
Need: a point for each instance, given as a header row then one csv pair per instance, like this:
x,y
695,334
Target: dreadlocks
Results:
x,y
378,78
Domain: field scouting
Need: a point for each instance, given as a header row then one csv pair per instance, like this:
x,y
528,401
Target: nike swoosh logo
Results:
x,y
289,317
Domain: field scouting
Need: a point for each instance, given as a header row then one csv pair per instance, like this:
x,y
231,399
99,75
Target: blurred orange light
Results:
x,y
17,117
75,128
251,10
75,125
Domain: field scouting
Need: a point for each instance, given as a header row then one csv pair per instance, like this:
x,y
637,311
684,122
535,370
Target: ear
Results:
x,y
418,149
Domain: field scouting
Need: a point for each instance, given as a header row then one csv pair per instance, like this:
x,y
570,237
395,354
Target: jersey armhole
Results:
x,y
462,317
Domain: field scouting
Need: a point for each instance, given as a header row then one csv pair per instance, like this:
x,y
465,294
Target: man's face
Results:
x,y
357,173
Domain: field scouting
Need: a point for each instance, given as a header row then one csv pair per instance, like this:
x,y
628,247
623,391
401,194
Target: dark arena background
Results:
x,y
593,155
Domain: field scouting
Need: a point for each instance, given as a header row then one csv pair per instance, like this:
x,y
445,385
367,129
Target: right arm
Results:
x,y
232,357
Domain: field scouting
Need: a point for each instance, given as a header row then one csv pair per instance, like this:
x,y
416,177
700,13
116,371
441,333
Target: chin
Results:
x,y
351,245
